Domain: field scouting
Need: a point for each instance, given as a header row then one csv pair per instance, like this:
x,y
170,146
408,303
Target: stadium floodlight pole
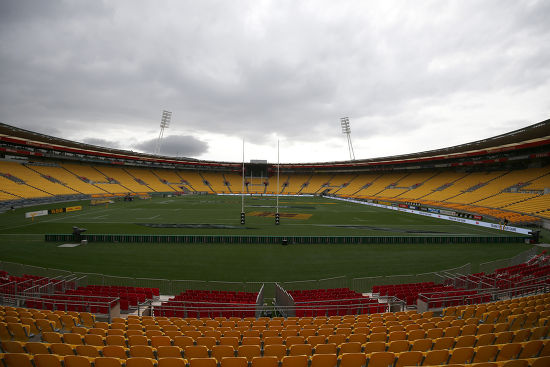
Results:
x,y
164,123
242,193
277,216
346,129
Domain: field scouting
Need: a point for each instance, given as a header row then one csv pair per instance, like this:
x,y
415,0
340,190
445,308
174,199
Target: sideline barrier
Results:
x,y
293,240
474,222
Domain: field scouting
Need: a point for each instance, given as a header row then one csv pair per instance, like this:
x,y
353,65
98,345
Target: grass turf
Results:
x,y
21,240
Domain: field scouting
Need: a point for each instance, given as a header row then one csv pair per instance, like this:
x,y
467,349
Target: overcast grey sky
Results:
x,y
411,75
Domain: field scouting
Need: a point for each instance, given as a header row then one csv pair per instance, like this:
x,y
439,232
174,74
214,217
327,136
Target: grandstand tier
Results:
x,y
495,195
502,177
459,336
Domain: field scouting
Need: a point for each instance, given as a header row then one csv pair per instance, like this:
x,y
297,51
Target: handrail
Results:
x,y
81,303
486,295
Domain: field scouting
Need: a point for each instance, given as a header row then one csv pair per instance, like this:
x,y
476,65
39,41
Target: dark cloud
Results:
x,y
175,145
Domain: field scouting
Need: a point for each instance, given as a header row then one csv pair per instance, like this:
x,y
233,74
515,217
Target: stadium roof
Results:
x,y
532,136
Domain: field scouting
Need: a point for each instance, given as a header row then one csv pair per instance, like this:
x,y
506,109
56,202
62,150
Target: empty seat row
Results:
x,y
378,359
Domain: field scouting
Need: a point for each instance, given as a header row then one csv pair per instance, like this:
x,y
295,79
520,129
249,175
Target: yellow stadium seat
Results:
x,y
452,331
409,358
171,362
445,342
531,349
202,362
295,361
115,340
275,350
461,355
515,363
326,349
195,351
465,341
540,362
18,360
484,329
62,349
52,337
294,339
398,346
434,333
87,319
144,351
485,339
13,346
80,330
31,323
101,331
300,349
435,357
370,347
137,340
76,361
360,338
73,338
381,359
108,362
485,353
397,335
140,362
19,331
316,339
265,361
504,337
352,360
88,350
378,337
324,360
220,351
521,335
306,333
161,340
183,341
47,360
337,339
151,333
234,362
116,351
249,351
540,332
416,334
37,348
94,339
508,351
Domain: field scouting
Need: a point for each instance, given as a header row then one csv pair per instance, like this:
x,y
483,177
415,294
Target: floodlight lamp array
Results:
x,y
165,120
344,122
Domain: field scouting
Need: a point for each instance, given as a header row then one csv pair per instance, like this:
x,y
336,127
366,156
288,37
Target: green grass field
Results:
x,y
22,240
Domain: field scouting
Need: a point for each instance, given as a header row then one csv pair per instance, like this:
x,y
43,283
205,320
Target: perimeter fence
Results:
x,y
491,266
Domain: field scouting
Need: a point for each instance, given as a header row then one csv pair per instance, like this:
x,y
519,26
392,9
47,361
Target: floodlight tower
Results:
x,y
344,121
164,123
